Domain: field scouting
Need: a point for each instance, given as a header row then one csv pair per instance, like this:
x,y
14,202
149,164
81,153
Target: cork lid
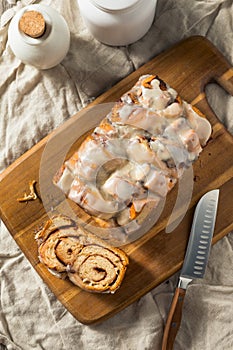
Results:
x,y
32,23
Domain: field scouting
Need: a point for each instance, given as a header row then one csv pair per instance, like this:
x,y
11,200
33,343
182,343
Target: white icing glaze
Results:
x,y
157,182
156,144
65,180
174,110
119,188
138,172
198,123
139,152
152,122
154,98
89,197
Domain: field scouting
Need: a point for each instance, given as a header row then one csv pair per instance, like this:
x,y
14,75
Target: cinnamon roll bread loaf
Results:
x,y
141,148
69,251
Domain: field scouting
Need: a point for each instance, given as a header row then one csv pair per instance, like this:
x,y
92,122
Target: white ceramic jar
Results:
x,y
118,22
47,50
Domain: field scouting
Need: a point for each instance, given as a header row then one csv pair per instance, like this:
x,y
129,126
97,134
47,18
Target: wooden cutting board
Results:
x,y
188,67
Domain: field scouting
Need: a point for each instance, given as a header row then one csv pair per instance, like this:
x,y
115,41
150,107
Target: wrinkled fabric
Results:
x,y
32,104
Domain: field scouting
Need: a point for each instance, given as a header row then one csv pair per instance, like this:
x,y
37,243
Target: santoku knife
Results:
x,y
195,261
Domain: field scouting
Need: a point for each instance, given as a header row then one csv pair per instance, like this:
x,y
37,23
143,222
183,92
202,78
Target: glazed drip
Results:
x,y
140,149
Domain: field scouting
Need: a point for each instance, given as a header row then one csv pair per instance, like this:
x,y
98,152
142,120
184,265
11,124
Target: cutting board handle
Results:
x,y
221,73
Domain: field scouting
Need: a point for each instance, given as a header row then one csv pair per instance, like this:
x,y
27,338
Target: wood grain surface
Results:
x,y
188,67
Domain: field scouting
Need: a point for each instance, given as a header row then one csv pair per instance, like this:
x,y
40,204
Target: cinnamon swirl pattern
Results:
x,y
137,153
90,263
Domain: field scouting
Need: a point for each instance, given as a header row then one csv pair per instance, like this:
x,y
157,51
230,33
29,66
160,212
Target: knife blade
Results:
x,y
195,261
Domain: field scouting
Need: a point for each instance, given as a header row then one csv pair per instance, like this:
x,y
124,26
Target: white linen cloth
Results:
x,y
32,104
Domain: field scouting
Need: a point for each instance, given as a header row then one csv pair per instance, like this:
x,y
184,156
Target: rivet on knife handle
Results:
x,y
174,319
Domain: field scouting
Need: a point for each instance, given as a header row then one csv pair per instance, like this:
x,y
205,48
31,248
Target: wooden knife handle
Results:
x,y
174,319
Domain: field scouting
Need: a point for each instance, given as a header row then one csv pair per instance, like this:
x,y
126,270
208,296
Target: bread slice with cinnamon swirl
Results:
x,y
90,263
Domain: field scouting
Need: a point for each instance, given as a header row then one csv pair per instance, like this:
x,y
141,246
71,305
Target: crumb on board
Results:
x,y
31,196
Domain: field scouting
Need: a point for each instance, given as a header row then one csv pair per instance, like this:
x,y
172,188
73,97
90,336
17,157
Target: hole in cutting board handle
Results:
x,y
216,99
220,103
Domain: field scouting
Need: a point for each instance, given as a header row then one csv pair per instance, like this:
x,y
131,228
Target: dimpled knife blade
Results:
x,y
199,244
